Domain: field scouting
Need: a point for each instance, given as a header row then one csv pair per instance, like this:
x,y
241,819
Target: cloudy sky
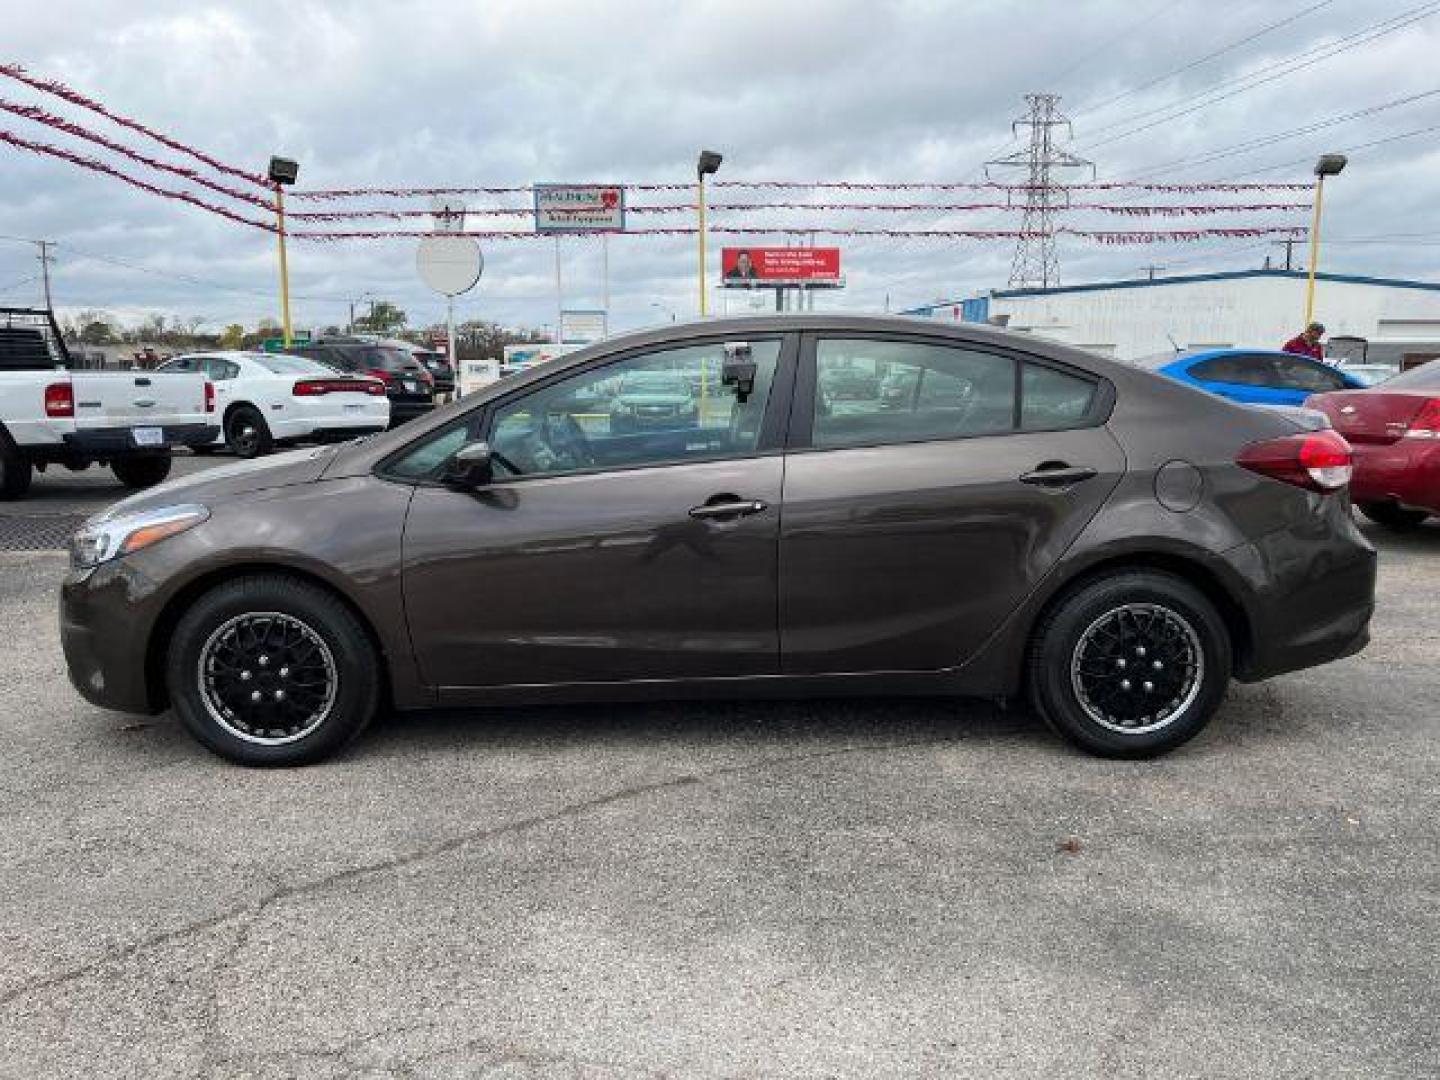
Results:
x,y
513,91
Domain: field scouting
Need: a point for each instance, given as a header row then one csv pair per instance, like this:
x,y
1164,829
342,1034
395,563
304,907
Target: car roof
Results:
x,y
1207,354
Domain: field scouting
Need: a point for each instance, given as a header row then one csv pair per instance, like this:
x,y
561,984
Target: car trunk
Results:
x,y
1372,416
137,399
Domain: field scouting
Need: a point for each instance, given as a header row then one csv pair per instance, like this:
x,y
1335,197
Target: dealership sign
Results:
x,y
776,265
579,208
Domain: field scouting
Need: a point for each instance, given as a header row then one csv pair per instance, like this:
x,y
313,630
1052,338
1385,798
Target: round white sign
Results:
x,y
450,265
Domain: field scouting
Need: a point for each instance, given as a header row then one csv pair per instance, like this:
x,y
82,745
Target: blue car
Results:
x,y
1258,376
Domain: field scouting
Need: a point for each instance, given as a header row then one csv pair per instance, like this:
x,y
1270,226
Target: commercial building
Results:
x,y
1395,317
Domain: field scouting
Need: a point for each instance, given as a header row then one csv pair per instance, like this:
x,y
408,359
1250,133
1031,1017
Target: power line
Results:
x,y
1282,136
1204,59
1207,98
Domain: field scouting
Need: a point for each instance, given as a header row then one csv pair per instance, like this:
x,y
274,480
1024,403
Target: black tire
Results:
x,y
1395,518
1170,623
246,432
16,471
280,610
141,472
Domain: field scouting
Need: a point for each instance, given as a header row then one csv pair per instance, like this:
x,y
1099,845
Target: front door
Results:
x,y
918,518
630,533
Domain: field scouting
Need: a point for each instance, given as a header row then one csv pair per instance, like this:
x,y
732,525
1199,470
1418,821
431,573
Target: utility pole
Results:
x,y
1289,246
45,260
1035,262
1151,270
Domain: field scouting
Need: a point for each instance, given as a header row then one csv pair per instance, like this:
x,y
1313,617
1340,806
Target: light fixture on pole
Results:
x,y
708,165
1328,165
283,171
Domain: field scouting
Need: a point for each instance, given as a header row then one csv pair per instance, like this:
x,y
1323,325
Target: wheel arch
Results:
x,y
1189,568
163,629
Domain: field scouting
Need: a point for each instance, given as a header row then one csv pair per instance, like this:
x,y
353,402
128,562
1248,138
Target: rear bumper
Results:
x,y
1313,594
120,441
1406,471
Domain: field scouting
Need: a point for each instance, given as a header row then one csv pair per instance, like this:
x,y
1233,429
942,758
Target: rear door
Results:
x,y
915,523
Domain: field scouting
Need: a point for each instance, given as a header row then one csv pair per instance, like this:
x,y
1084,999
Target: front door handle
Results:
x,y
1059,475
730,507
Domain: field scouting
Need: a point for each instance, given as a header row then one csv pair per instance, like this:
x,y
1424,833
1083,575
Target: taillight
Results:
x,y
309,388
59,400
319,387
375,389
209,396
1426,423
1315,460
377,373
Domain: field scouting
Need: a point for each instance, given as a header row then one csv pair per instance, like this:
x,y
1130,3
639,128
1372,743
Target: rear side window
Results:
x,y
1300,374
1236,370
873,391
1053,399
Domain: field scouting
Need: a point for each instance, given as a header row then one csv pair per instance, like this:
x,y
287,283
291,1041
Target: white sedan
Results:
x,y
269,398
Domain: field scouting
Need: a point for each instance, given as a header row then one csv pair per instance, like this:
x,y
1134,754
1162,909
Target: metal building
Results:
x,y
1255,308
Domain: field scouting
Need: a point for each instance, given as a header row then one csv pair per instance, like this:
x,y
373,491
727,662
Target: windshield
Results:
x,y
653,382
1424,377
292,365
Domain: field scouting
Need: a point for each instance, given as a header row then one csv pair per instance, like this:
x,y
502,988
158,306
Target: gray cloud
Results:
x,y
454,93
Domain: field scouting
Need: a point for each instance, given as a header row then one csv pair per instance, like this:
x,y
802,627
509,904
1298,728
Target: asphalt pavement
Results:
x,y
814,889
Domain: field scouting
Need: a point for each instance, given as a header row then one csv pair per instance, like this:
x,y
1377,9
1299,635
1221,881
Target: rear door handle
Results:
x,y
729,508
1058,475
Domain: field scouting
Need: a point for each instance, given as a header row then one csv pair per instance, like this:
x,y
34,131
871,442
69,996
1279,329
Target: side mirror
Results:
x,y
739,371
472,466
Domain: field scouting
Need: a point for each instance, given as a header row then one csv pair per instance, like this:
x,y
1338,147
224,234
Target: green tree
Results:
x,y
384,318
232,337
97,332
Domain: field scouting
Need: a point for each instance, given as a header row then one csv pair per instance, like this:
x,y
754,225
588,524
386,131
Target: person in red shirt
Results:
x,y
1307,343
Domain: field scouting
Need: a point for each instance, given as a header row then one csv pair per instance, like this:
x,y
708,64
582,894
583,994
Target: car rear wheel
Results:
x,y
247,433
270,670
1393,517
141,472
1131,664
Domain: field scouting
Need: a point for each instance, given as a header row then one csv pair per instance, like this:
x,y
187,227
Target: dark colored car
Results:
x,y
438,367
1258,376
651,399
408,385
1111,544
1395,430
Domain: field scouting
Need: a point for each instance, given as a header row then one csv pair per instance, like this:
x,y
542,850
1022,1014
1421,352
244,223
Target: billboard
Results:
x,y
579,208
776,265
579,327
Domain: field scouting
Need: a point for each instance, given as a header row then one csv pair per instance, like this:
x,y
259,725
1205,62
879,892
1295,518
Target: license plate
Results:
x,y
148,436
410,387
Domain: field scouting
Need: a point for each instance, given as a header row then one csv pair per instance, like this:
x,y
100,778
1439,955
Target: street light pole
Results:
x,y
707,165
282,172
1328,165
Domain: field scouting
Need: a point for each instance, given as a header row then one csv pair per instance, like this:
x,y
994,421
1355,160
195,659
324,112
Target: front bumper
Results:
x,y
105,651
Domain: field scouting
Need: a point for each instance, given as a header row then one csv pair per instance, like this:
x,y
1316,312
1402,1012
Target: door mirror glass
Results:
x,y
472,466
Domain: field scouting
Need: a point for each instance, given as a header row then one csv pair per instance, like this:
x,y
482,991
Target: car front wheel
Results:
x,y
1131,664
271,670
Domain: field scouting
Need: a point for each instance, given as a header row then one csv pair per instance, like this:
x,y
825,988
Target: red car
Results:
x,y
1395,431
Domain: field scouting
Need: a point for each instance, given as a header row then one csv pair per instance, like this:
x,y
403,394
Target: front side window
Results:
x,y
663,407
873,391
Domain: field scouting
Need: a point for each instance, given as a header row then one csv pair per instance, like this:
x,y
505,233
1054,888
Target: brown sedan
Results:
x,y
1020,518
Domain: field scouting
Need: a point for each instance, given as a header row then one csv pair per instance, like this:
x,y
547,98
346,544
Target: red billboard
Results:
x,y
772,265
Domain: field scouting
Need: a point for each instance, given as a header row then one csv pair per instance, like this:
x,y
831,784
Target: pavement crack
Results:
x,y
253,910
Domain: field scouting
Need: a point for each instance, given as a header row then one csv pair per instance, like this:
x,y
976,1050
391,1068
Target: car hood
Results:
x,y
278,470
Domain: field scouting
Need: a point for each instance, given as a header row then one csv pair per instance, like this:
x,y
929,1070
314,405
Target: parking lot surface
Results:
x,y
814,889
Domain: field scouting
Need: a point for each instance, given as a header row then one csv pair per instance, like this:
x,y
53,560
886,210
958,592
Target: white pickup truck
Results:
x,y
51,415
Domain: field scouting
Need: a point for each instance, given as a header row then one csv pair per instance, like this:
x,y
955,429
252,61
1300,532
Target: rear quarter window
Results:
x,y
1053,399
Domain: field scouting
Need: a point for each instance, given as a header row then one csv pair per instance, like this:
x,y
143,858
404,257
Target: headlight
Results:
x,y
101,540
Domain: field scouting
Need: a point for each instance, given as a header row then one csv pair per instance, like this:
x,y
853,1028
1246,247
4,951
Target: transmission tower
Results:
x,y
1035,262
